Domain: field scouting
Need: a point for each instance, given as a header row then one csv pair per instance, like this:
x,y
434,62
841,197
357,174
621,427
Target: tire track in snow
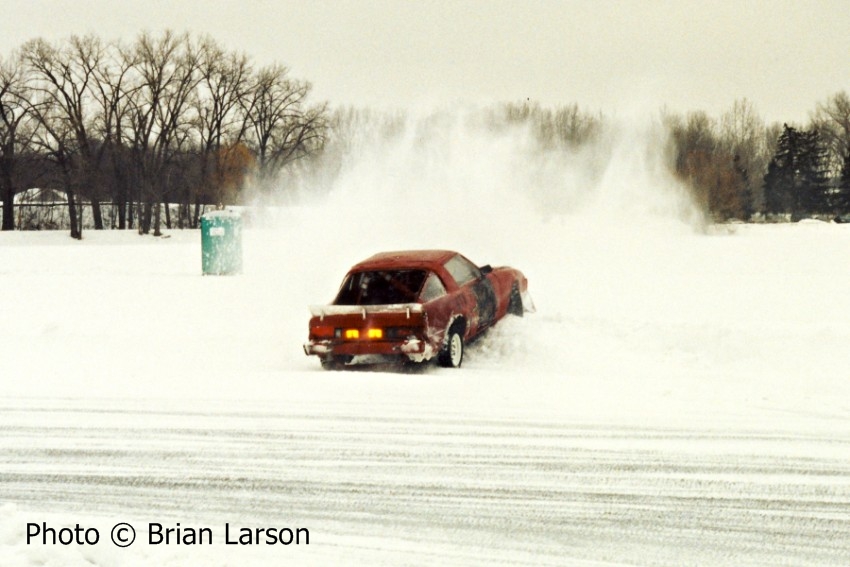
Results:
x,y
475,491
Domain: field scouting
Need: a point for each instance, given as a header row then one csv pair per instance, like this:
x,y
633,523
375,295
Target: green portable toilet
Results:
x,y
221,243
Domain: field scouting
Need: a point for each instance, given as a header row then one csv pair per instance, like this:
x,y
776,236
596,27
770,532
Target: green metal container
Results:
x,y
221,243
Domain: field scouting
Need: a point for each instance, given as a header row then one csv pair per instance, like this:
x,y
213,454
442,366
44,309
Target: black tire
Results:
x,y
335,362
515,304
452,354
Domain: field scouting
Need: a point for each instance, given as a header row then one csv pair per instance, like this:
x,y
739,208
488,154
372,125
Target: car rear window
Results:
x,y
381,287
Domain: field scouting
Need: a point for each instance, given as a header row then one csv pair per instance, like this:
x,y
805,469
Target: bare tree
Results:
x,y
563,127
54,139
742,136
15,133
65,76
167,67
111,92
281,127
575,127
714,174
218,120
832,120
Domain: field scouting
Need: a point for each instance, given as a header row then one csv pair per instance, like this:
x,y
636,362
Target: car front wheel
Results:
x,y
515,306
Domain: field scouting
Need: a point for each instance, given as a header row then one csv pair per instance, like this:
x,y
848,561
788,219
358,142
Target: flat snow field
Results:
x,y
680,397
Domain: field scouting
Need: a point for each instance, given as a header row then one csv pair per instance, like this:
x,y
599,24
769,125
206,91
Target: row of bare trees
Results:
x,y
169,118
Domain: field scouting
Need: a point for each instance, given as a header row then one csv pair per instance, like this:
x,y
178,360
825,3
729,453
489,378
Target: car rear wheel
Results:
x,y
452,354
335,362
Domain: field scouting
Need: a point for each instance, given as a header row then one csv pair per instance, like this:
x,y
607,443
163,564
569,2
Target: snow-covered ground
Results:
x,y
681,396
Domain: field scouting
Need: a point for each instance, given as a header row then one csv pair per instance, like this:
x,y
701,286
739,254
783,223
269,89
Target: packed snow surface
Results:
x,y
681,396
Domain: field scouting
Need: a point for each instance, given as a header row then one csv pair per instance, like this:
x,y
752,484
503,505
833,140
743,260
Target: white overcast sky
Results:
x,y
613,56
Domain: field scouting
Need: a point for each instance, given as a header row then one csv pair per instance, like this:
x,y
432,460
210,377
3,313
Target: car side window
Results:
x,y
462,270
432,289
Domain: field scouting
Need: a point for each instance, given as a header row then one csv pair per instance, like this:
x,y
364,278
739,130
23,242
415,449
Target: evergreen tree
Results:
x,y
813,177
780,179
797,181
841,198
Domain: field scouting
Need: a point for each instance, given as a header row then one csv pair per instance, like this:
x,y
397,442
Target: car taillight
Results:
x,y
354,334
322,331
400,332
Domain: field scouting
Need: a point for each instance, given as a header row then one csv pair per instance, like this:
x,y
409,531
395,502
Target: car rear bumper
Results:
x,y
415,349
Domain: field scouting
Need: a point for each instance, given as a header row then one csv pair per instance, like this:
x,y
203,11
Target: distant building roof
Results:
x,y
40,195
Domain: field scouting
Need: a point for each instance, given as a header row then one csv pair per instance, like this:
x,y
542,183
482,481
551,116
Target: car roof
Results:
x,y
428,259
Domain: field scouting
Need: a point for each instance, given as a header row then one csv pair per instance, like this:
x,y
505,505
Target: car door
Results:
x,y
485,299
478,286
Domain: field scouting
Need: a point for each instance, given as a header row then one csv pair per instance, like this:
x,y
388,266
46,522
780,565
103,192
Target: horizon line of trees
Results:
x,y
168,118
171,119
735,167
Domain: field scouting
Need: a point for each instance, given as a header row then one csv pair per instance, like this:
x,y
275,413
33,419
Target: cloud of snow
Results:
x,y
456,169
452,179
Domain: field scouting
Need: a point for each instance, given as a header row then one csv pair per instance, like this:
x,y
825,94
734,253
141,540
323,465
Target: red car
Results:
x,y
414,305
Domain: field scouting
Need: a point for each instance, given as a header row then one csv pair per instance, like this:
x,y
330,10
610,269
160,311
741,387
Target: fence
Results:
x,y
55,216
